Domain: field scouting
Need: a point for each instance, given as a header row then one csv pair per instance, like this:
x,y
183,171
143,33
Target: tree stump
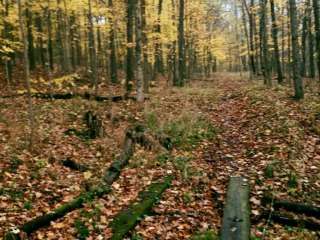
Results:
x,y
94,124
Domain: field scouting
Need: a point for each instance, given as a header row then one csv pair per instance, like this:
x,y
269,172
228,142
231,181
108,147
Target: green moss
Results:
x,y
127,219
207,235
292,182
269,171
82,230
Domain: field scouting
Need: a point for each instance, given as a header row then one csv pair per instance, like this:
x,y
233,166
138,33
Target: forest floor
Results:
x,y
219,127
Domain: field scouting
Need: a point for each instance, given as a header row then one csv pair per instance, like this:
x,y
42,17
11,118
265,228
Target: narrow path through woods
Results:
x,y
254,129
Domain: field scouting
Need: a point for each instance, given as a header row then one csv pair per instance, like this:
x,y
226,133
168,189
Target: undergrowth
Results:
x,y
186,131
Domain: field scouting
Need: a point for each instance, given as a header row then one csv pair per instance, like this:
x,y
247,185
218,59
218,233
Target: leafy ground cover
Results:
x,y
218,127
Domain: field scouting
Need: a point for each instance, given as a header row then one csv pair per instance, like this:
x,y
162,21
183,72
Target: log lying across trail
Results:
x,y
69,163
111,174
287,220
66,96
295,207
236,217
126,220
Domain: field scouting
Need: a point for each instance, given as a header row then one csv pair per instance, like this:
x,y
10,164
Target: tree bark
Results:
x,y
264,43
112,47
275,42
297,80
27,72
130,45
316,11
92,51
181,45
140,80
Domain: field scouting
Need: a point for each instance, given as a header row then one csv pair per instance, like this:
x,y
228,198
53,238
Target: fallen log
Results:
x,y
236,217
59,212
295,207
111,174
287,220
126,220
67,96
69,163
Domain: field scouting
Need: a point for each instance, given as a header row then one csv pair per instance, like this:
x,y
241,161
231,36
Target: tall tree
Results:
x,y
264,42
316,11
140,85
312,71
303,43
181,45
297,80
130,45
31,54
158,64
92,50
275,42
27,71
145,46
112,47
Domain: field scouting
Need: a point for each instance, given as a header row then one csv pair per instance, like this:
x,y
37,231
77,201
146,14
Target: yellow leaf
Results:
x,y
87,175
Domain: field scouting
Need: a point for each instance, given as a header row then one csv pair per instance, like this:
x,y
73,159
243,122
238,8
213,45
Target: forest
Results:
x,y
160,119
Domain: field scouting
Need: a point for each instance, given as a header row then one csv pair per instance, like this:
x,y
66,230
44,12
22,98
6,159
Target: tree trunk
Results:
x,y
312,72
31,55
49,38
264,43
158,64
59,42
275,42
66,38
145,47
112,46
181,45
130,45
295,51
92,51
316,11
140,85
27,72
303,44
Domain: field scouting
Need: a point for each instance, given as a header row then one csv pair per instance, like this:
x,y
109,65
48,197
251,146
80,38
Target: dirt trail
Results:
x,y
253,134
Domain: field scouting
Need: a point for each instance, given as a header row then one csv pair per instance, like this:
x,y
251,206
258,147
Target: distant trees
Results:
x,y
294,59
178,39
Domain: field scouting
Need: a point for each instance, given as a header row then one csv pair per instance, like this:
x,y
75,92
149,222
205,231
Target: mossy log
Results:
x,y
295,207
69,163
287,220
112,174
67,96
59,212
126,220
236,217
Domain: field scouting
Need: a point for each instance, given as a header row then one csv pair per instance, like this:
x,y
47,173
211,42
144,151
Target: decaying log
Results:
x,y
295,207
236,217
67,96
69,163
287,220
59,212
112,174
126,220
